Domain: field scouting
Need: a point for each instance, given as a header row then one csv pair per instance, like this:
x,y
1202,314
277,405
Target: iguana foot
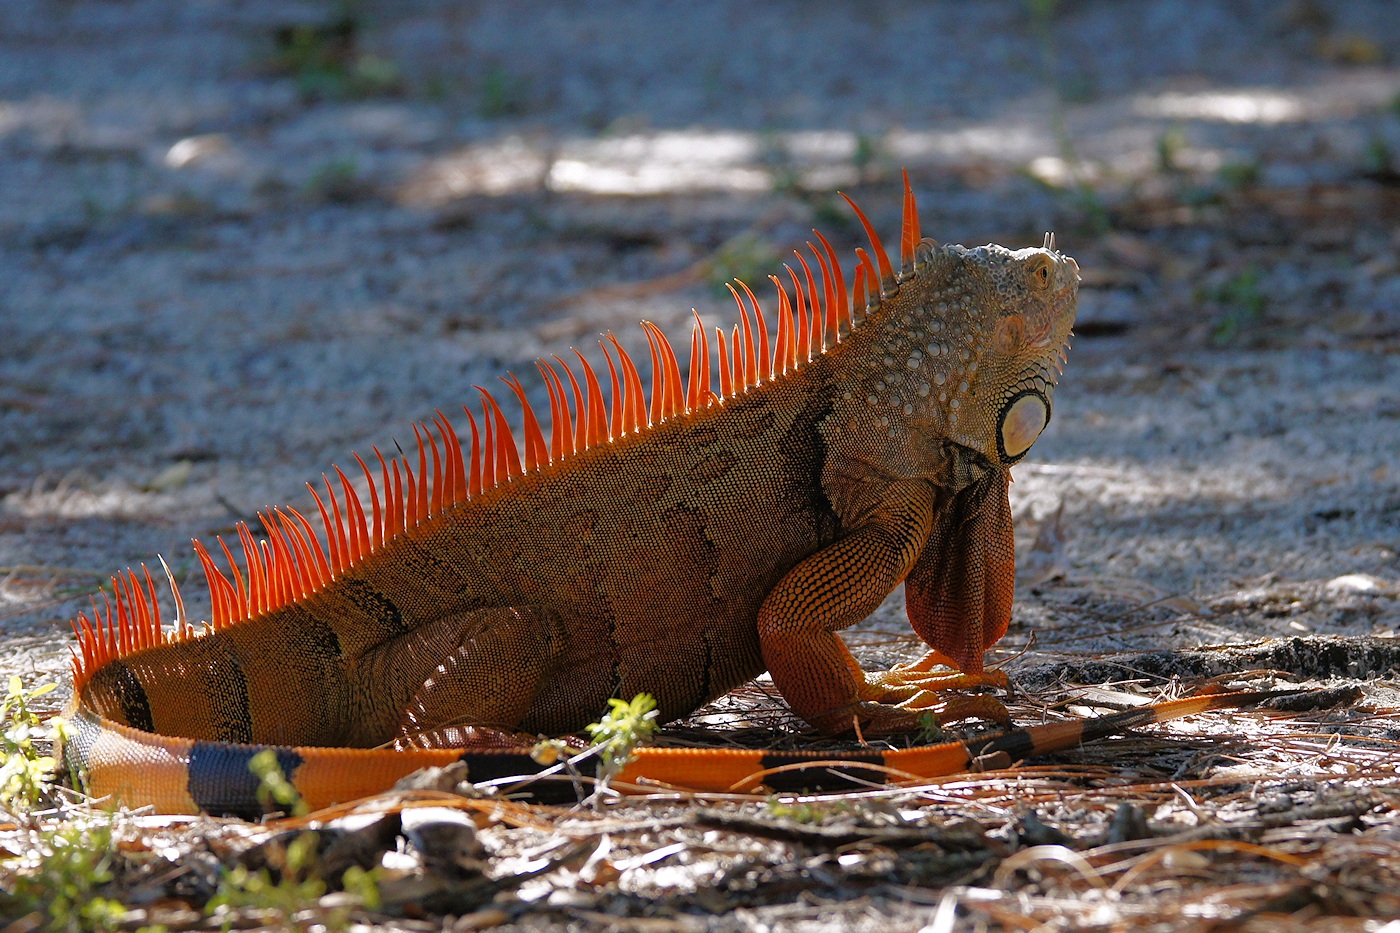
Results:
x,y
886,714
928,686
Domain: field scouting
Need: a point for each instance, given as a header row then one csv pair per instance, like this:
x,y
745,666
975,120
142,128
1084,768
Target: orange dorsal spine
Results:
x,y
817,329
804,340
909,235
291,562
726,375
765,362
870,293
886,278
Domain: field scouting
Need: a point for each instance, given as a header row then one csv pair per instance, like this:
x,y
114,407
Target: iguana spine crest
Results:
x,y
291,563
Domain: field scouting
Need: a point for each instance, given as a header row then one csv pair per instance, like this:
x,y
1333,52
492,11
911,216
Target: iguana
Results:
x,y
731,523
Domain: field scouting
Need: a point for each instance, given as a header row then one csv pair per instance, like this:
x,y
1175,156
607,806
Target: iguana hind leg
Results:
x,y
491,675
836,587
479,669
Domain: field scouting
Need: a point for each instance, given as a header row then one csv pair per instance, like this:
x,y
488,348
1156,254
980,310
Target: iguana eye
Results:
x,y
1022,419
1040,275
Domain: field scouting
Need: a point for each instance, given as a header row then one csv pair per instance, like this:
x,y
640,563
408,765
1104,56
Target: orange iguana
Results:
x,y
678,545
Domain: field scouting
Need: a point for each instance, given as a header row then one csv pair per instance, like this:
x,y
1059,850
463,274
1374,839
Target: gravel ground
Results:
x,y
237,241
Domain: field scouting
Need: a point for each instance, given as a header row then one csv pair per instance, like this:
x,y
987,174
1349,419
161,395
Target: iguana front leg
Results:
x,y
837,587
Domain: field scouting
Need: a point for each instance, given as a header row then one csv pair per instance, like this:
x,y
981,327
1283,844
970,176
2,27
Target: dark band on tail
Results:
x,y
222,779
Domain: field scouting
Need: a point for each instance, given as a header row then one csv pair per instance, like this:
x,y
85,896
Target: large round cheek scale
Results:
x,y
1022,424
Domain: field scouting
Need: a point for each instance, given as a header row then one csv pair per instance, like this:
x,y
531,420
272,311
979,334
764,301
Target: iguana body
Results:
x,y
678,546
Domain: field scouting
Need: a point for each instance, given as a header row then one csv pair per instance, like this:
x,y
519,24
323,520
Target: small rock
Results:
x,y
446,840
1034,832
1129,823
172,477
1359,583
193,149
450,779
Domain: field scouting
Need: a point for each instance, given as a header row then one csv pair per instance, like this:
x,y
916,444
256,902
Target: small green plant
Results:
x,y
243,889
372,76
797,812
502,94
363,885
327,62
337,181
1170,146
1350,49
802,812
1201,196
746,256
786,180
930,729
1090,205
866,155
1378,157
275,792
1243,302
61,889
24,772
292,898
776,158
1079,89
624,727
437,86
70,861
549,752
1239,174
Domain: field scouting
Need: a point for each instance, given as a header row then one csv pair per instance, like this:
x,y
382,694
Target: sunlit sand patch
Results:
x,y
1337,97
1259,105
700,160
1155,484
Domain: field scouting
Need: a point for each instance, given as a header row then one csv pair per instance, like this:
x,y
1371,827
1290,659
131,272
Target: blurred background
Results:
x,y
239,239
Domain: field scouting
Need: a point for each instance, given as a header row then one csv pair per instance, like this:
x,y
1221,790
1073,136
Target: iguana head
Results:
x,y
968,348
1005,319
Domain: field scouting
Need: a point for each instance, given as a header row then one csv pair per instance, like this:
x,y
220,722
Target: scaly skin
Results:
x,y
679,560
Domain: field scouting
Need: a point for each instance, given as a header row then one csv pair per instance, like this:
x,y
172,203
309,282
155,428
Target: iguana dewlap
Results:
x,y
734,522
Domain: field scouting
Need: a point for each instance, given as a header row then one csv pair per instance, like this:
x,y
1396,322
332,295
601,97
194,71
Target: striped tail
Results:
x,y
183,776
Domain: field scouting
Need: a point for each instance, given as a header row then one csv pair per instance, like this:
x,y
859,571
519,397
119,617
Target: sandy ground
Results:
x,y
225,261
219,277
